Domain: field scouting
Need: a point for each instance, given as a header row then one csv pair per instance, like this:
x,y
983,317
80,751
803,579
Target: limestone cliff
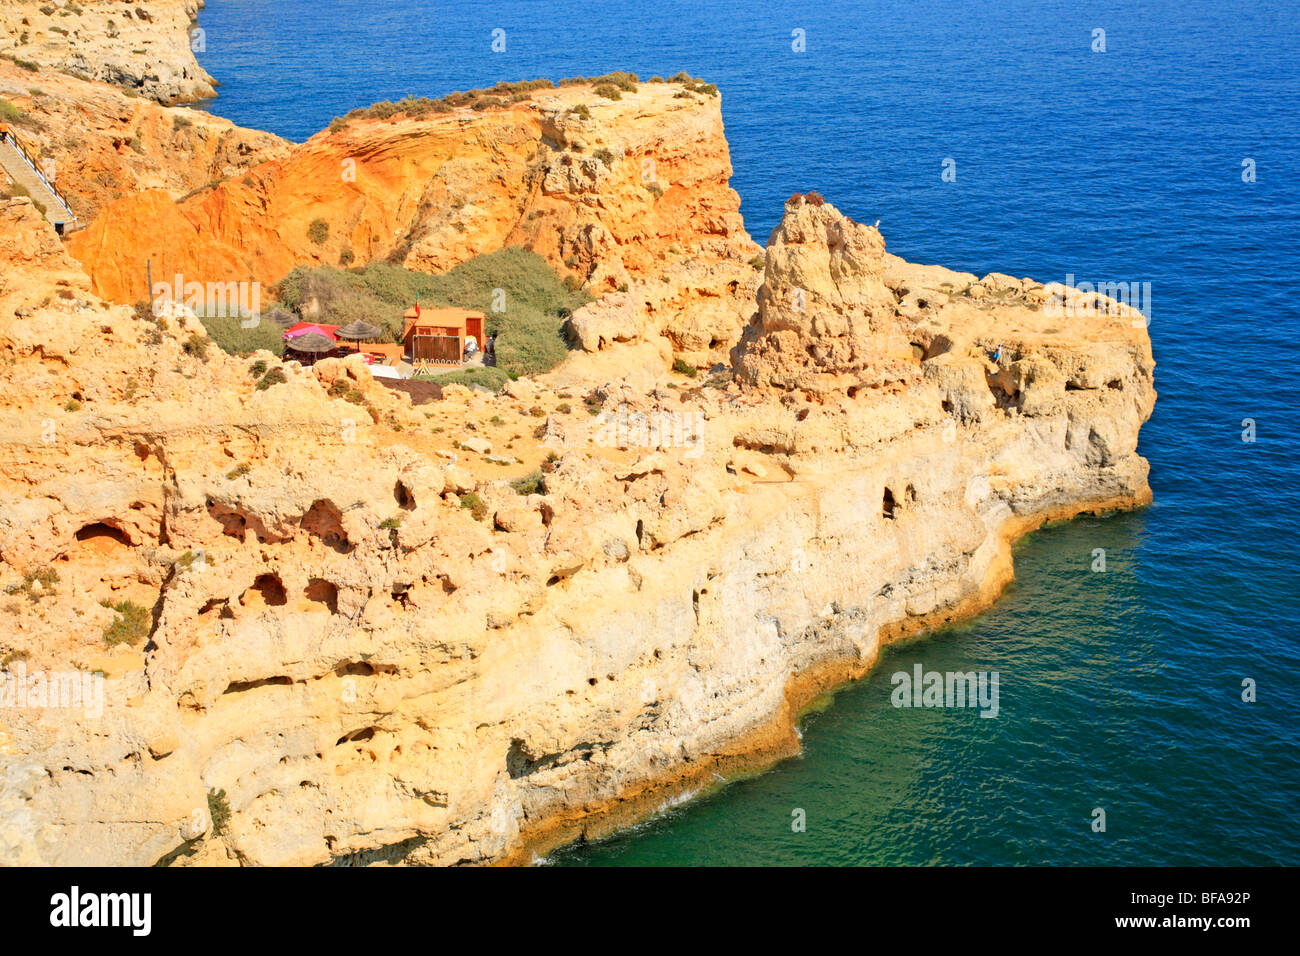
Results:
x,y
378,649
145,46
612,192
102,144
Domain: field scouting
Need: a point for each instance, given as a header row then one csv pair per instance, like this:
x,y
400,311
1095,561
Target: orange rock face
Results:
x,y
105,144
617,194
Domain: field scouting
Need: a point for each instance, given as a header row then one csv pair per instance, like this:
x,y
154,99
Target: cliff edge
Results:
x,y
326,625
143,46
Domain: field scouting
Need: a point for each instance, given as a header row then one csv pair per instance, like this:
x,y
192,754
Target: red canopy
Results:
x,y
302,328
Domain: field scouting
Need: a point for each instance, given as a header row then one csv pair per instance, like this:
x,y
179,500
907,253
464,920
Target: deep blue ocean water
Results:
x,y
1119,690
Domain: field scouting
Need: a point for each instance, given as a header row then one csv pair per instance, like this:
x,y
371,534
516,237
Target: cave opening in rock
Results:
x,y
212,604
323,520
268,590
356,736
101,534
320,591
1005,395
405,500
889,506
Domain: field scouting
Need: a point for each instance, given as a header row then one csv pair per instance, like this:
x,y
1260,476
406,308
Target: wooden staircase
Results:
x,y
21,168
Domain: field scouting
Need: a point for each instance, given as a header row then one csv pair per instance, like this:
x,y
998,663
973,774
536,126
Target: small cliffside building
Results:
x,y
437,336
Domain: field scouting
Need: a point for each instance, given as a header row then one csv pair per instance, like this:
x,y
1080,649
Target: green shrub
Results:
x,y
484,376
196,346
693,84
533,483
46,577
230,336
218,811
16,117
190,558
391,525
341,388
318,231
418,107
275,376
620,79
475,505
130,627
608,90
685,368
27,65
181,122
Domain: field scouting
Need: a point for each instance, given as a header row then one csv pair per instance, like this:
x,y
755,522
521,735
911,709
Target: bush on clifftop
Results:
x,y
231,336
534,298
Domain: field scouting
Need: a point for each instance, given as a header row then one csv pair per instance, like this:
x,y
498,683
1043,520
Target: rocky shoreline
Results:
x,y
367,643
778,739
145,46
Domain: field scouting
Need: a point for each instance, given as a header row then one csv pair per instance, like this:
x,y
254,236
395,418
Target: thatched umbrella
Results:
x,y
358,331
283,319
312,342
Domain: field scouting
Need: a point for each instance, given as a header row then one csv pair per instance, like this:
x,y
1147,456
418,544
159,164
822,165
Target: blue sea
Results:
x,y
1119,690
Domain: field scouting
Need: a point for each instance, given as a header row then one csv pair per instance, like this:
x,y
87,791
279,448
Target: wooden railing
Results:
x,y
8,134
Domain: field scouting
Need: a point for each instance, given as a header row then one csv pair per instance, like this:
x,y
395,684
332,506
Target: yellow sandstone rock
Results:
x,y
384,648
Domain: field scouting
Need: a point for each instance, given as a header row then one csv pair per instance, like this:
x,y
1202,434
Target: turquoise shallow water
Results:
x,y
1096,710
1119,690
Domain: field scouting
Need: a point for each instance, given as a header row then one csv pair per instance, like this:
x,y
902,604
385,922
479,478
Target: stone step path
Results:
x,y
21,172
